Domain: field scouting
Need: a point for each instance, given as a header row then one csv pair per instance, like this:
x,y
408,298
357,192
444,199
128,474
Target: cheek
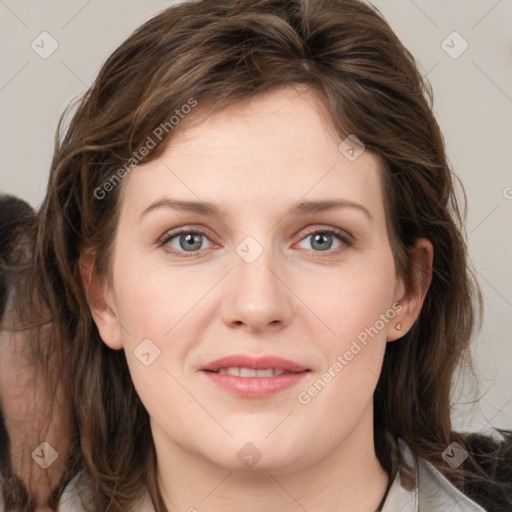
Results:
x,y
158,310
354,302
357,307
360,311
151,301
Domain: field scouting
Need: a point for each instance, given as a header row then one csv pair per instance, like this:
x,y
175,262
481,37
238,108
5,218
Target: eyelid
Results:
x,y
171,233
341,233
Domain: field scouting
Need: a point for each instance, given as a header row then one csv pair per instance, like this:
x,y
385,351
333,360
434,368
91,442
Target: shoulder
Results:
x,y
436,492
493,456
487,488
493,469
429,490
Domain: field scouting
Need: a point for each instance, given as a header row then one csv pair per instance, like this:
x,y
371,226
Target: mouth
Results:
x,y
250,377
243,362
250,372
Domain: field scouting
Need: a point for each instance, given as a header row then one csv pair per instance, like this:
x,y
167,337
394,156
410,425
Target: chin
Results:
x,y
255,453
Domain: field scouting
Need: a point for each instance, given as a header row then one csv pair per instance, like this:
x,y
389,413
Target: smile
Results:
x,y
251,372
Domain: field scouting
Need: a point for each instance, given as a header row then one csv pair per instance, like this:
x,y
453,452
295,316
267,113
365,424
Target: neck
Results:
x,y
349,478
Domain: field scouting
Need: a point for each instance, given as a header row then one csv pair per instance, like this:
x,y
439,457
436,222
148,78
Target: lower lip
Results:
x,y
256,387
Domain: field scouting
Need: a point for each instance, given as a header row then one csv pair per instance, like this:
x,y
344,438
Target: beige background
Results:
x,y
473,103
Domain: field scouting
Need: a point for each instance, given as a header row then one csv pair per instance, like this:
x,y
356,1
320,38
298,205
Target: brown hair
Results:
x,y
220,53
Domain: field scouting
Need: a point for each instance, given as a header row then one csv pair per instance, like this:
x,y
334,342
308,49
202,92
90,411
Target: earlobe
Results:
x,y
411,301
97,292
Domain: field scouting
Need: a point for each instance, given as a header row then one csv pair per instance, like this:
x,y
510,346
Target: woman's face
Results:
x,y
272,274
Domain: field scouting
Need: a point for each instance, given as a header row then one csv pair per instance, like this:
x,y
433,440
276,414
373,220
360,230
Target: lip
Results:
x,y
255,387
256,363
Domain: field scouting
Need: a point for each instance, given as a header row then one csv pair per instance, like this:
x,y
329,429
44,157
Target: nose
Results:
x,y
257,296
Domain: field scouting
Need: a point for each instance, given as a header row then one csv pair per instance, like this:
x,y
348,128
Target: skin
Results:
x,y
255,160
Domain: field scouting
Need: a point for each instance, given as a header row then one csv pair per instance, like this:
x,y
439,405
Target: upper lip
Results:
x,y
256,363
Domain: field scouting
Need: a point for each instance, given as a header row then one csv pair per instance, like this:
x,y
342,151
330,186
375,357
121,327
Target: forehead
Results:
x,y
270,150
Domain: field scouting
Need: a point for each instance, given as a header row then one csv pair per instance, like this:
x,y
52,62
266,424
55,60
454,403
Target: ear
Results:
x,y
101,303
411,301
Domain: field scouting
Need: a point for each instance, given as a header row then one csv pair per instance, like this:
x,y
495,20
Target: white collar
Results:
x,y
427,490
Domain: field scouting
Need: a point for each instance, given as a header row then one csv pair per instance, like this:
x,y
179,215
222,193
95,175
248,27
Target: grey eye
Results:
x,y
191,241
322,241
188,241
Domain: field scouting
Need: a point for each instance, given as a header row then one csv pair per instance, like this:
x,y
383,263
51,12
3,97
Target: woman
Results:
x,y
33,430
251,236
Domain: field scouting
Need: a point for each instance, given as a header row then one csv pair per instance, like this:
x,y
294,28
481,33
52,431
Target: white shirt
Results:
x,y
429,491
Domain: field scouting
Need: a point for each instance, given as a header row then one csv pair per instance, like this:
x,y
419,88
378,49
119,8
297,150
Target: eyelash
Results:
x,y
338,233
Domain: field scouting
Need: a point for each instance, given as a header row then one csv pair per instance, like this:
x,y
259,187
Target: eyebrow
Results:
x,y
210,209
